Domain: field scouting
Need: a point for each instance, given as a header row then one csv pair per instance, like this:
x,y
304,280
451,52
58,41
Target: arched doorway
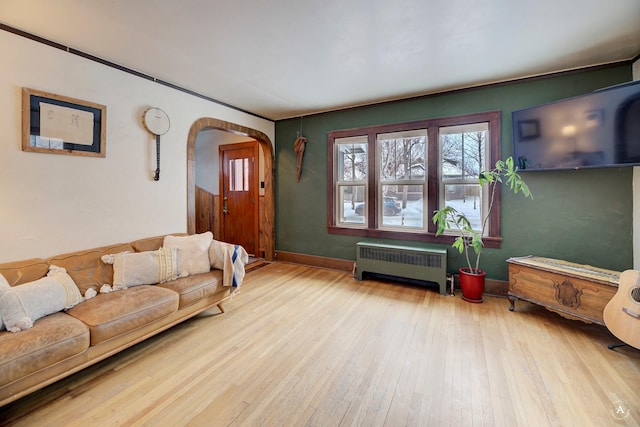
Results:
x,y
267,211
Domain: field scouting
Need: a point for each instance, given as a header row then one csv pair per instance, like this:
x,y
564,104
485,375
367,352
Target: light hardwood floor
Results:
x,y
306,346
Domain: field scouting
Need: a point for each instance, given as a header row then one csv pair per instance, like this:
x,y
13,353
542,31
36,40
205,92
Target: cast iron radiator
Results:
x,y
411,262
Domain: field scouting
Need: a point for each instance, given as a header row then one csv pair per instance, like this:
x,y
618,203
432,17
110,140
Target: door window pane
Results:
x,y
239,174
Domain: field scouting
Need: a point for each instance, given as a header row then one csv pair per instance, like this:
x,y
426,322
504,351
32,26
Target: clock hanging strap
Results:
x,y
157,176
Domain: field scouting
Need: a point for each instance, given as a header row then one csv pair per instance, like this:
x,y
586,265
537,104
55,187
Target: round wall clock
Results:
x,y
156,121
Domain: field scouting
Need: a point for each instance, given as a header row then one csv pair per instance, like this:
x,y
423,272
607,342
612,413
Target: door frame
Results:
x,y
266,220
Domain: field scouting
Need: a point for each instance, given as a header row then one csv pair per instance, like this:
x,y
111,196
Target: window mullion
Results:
x,y
433,176
374,172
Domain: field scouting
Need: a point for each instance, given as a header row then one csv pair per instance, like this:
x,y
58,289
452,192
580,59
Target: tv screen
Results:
x,y
600,129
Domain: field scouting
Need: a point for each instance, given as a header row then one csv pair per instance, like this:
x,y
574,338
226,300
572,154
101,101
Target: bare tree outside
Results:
x,y
463,153
402,160
463,157
389,180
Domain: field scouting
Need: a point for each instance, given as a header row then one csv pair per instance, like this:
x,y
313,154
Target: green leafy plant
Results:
x,y
448,218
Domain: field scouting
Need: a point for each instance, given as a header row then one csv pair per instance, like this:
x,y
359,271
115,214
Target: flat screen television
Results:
x,y
600,129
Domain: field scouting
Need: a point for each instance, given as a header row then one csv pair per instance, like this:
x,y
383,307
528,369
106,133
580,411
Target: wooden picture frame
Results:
x,y
58,124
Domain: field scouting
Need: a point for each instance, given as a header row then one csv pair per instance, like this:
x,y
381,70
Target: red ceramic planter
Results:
x,y
472,284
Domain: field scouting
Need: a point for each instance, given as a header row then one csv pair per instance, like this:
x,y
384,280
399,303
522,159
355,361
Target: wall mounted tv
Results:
x,y
600,129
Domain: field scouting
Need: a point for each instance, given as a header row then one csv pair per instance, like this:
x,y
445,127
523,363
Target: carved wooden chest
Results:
x,y
572,290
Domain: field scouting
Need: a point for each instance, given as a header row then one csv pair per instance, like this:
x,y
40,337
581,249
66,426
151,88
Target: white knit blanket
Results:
x,y
231,259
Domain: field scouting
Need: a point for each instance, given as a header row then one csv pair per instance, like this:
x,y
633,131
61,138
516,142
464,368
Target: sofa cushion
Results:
x,y
23,304
4,286
194,288
86,268
142,268
116,313
52,339
24,271
193,252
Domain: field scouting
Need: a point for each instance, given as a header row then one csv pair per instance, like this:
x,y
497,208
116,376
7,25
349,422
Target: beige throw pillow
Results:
x,y
142,268
193,252
23,304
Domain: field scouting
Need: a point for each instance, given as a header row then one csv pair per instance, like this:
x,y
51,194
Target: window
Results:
x,y
351,180
386,181
402,167
462,158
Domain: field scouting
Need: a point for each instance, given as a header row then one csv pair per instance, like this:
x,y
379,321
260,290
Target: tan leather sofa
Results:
x,y
63,343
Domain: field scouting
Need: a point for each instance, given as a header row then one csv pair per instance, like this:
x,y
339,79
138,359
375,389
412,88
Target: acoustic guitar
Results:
x,y
622,313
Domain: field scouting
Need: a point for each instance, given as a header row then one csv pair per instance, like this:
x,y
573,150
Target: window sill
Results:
x,y
489,242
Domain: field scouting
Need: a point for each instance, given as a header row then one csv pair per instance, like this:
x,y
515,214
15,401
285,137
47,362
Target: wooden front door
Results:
x,y
239,192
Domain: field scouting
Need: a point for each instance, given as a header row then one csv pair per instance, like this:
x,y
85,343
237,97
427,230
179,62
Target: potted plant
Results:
x,y
448,218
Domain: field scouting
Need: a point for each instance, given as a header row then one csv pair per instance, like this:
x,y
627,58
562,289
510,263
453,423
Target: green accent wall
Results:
x,y
580,216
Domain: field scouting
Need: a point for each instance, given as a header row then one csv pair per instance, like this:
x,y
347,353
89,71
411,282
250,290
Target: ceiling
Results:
x,y
288,58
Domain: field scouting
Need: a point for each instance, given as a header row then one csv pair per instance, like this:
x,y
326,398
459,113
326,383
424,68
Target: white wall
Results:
x,y
636,195
51,203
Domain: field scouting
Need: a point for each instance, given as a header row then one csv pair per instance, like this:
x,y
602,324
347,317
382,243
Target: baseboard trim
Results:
x,y
498,288
315,261
493,287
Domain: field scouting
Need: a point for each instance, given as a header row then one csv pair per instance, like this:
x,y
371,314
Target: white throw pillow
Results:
x,y
193,252
142,268
23,304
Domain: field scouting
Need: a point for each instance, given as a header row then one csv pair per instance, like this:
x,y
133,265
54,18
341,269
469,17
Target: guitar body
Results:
x,y
622,314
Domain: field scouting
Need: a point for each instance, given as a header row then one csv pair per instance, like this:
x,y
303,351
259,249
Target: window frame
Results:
x,y
339,184
397,181
463,181
433,179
